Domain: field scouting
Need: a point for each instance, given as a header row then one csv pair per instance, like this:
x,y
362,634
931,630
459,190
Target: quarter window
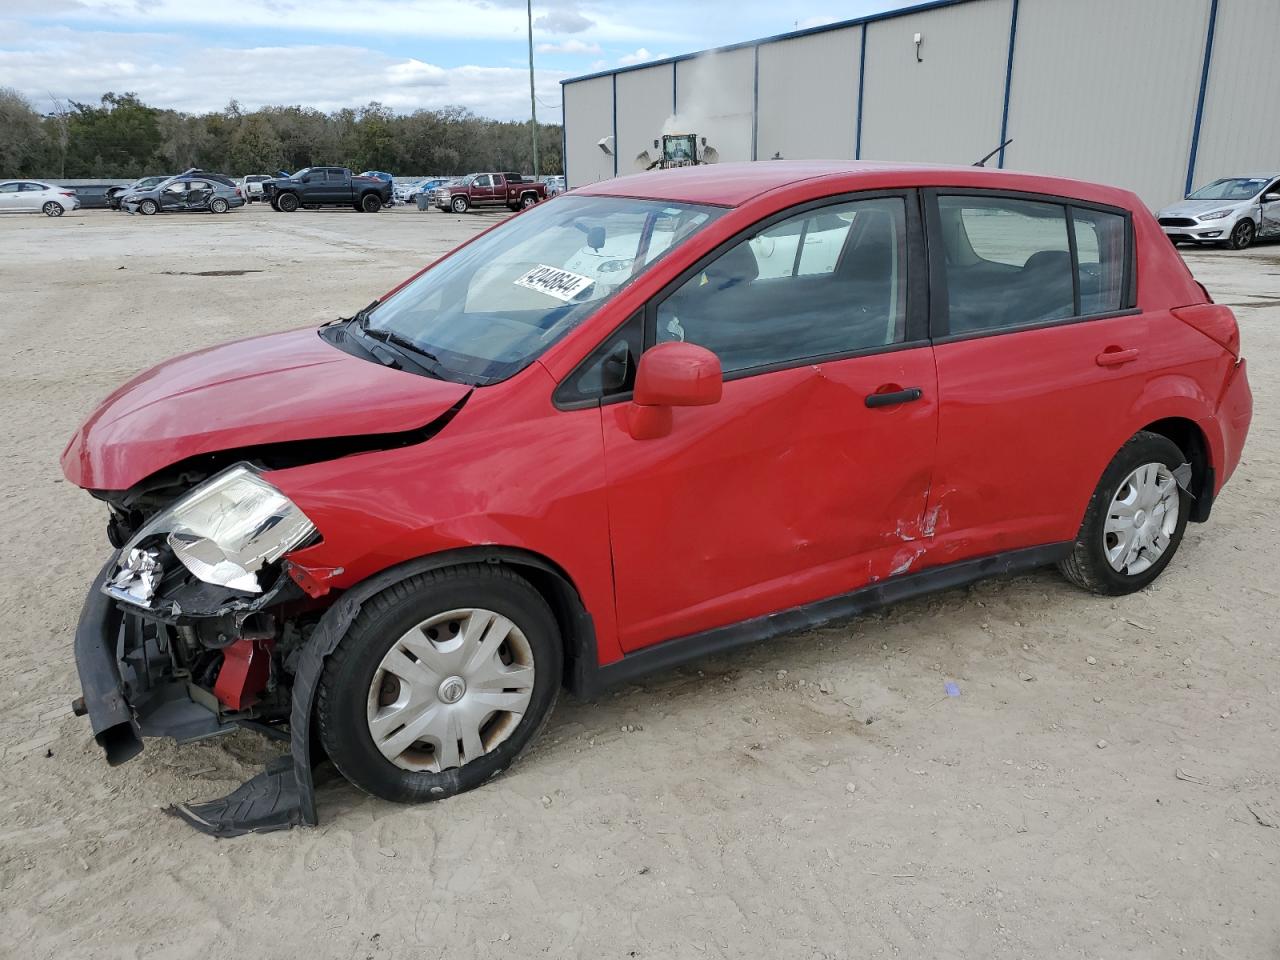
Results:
x,y
1100,252
826,282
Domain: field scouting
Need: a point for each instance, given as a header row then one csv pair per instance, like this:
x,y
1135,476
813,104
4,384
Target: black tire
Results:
x,y
1243,235
459,204
1087,566
528,200
52,209
349,673
148,208
287,202
371,203
219,205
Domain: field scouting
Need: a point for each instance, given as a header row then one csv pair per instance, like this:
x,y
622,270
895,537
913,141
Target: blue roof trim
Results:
x,y
810,31
1008,82
1204,89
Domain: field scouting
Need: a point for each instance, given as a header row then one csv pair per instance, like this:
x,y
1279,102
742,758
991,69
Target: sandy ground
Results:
x,y
818,796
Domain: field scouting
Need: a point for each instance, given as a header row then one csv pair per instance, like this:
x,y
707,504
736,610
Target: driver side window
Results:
x,y
826,282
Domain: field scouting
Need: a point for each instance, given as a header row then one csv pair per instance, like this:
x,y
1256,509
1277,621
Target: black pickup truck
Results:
x,y
326,187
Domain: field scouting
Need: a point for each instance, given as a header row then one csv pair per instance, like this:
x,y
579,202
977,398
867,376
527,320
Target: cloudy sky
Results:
x,y
197,55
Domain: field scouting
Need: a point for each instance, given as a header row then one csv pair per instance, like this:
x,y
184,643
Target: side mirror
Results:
x,y
1270,197
672,375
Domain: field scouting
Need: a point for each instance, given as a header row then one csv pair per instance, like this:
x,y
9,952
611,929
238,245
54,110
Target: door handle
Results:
x,y
894,397
1114,356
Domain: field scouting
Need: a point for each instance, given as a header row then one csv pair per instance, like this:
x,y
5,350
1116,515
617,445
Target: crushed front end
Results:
x,y
195,625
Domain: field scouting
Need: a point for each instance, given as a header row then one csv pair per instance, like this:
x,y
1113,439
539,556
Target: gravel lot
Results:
x,y
818,796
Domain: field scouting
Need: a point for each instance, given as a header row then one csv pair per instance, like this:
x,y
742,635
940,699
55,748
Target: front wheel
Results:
x,y
371,203
460,204
287,203
148,208
440,683
52,209
1243,235
1135,519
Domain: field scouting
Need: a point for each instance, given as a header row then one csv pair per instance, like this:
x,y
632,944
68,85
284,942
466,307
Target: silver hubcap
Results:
x,y
450,690
1142,519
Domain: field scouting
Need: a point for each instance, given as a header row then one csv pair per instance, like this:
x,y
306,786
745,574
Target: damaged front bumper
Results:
x,y
135,686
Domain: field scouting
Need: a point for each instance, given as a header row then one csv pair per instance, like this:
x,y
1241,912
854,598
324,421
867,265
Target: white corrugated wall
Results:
x,y
809,96
1103,90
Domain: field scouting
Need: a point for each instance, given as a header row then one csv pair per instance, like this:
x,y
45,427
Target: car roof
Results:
x,y
733,184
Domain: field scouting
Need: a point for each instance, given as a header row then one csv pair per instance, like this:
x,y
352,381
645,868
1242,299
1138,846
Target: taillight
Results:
x,y
1215,321
238,193
68,193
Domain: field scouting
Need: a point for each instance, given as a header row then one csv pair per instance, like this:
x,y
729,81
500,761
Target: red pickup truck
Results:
x,y
489,189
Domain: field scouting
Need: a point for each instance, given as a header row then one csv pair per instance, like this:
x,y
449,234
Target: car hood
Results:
x,y
269,389
1194,208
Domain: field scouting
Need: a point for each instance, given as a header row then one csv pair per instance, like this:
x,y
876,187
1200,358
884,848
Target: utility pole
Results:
x,y
533,100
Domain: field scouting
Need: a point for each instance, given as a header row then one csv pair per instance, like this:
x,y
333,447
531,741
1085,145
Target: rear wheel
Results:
x,y
1243,235
440,683
219,205
53,209
1135,520
371,203
287,203
528,200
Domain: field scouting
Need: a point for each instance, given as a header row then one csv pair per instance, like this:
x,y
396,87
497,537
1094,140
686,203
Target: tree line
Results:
x,y
122,137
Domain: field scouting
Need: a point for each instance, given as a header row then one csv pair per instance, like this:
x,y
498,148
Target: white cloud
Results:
x,y
636,56
168,71
572,45
563,21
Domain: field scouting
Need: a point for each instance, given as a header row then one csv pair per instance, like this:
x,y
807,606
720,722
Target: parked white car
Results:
x,y
1234,210
36,196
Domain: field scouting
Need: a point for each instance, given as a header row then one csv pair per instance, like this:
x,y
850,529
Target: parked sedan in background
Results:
x,y
195,191
36,196
1234,210
115,194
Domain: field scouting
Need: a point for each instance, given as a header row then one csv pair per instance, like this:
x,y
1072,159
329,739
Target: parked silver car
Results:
x,y
36,196
1234,210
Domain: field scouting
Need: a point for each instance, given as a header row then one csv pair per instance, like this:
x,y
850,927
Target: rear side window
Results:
x,y
1011,263
1100,250
826,282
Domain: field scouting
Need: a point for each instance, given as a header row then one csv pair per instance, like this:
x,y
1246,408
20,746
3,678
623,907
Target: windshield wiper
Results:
x,y
403,345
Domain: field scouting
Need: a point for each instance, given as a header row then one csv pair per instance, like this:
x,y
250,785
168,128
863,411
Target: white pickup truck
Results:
x,y
251,186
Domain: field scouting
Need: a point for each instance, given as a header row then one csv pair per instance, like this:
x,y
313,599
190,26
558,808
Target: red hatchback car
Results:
x,y
655,418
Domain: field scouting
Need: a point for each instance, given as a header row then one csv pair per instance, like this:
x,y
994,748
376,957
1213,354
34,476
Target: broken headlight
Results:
x,y
224,531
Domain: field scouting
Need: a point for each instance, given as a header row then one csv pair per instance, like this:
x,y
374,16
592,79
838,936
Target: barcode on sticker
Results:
x,y
554,282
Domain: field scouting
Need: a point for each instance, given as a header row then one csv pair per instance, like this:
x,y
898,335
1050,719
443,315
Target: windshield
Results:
x,y
301,173
487,311
1235,188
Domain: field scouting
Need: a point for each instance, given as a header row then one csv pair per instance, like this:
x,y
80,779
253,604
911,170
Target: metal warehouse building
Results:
x,y
1153,95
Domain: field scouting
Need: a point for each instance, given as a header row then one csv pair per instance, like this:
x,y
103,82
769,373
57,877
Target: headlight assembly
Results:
x,y
224,531
1216,215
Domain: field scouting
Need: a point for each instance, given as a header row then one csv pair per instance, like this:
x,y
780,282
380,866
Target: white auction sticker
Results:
x,y
554,282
